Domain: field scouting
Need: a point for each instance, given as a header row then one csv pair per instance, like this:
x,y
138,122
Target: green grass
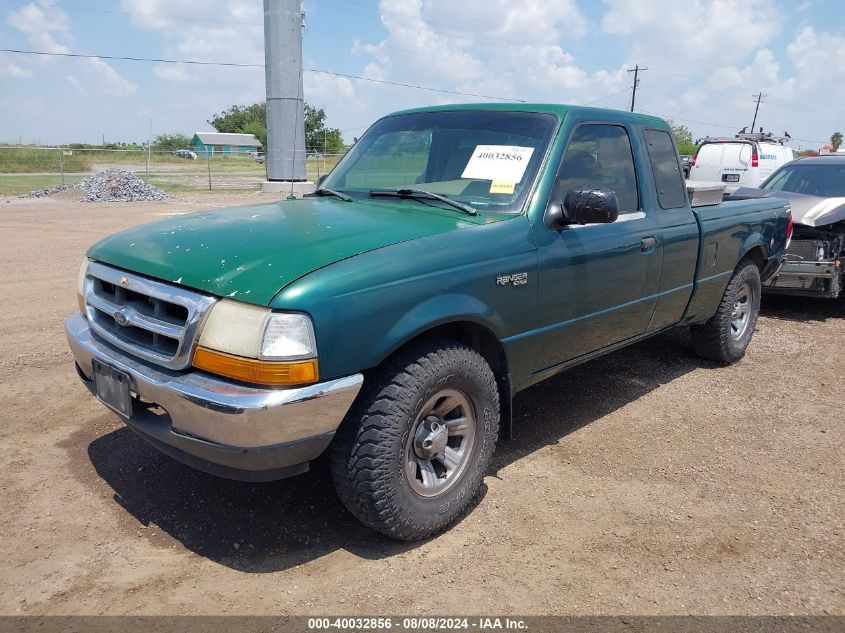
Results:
x,y
17,185
229,174
25,160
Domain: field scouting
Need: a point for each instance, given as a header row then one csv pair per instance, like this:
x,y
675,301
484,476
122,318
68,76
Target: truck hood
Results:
x,y
806,210
250,253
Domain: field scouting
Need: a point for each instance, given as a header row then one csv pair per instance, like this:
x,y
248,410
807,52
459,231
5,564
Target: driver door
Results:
x,y
597,282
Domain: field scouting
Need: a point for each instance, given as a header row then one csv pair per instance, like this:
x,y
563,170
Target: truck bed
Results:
x,y
729,230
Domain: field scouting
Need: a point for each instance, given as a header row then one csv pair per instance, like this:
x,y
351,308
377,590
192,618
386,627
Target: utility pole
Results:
x,y
759,97
636,70
285,152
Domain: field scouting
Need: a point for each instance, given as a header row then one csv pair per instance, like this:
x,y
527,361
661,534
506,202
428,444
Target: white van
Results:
x,y
738,162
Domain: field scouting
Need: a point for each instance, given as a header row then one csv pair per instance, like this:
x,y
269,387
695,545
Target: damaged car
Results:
x,y
815,189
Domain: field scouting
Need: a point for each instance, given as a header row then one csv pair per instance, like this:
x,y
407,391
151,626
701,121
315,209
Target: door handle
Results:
x,y
647,244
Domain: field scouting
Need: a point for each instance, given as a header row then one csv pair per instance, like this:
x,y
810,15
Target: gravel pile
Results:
x,y
110,185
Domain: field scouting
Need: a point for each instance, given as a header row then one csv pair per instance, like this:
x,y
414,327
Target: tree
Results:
x,y
252,119
171,142
235,118
836,140
683,138
254,127
319,138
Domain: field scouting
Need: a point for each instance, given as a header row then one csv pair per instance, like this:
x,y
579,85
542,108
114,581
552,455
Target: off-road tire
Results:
x,y
368,455
713,340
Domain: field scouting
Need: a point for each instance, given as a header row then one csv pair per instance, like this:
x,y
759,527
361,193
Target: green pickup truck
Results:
x,y
455,256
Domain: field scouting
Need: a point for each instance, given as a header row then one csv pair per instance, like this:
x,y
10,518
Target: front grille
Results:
x,y
150,319
794,282
808,251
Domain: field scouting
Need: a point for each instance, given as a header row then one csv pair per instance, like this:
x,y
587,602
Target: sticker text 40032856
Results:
x,y
502,163
499,156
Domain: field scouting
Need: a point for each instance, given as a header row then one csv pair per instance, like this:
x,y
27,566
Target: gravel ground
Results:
x,y
646,482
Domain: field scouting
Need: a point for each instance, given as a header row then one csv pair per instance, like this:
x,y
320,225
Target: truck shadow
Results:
x,y
251,527
801,309
565,403
267,527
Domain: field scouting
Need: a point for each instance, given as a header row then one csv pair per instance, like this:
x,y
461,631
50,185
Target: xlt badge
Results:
x,y
517,279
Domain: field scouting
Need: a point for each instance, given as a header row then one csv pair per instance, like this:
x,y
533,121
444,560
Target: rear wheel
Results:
x,y
412,453
726,336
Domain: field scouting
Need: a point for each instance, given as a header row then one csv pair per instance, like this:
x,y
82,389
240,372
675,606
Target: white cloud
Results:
x,y
10,69
528,20
44,25
431,54
333,92
375,71
696,33
229,31
73,81
171,72
489,47
113,83
762,73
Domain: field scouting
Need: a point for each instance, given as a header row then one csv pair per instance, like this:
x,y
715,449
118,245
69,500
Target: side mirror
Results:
x,y
321,179
583,206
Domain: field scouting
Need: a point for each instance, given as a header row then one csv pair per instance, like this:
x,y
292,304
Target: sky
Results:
x,y
705,60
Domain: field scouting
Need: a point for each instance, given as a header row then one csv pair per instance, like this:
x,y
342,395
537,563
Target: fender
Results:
x,y
752,242
438,311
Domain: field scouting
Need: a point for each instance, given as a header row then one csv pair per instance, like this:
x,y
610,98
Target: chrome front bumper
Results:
x,y
220,426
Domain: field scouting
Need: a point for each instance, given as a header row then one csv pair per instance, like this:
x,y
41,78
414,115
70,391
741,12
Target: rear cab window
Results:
x,y
668,177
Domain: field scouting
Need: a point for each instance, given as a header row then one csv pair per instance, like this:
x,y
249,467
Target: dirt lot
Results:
x,y
647,482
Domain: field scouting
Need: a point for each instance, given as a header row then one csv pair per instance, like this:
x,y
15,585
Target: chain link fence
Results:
x,y
29,168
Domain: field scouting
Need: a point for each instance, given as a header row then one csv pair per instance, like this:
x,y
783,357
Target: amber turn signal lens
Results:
x,y
261,372
81,303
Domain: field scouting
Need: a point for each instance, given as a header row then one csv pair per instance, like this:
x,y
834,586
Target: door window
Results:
x,y
671,192
599,156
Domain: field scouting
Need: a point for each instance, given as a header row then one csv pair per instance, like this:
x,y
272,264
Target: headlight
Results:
x,y
80,285
235,328
254,344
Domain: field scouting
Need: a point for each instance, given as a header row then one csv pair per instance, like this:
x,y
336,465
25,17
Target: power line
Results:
x,y
718,125
175,18
436,27
240,65
393,47
404,85
370,13
131,59
613,94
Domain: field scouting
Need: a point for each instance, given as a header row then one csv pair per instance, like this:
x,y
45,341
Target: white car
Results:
x,y
744,161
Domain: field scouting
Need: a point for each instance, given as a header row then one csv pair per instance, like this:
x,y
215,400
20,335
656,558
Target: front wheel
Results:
x,y
413,451
726,336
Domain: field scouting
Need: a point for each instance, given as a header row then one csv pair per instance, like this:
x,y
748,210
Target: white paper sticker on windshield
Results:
x,y
504,163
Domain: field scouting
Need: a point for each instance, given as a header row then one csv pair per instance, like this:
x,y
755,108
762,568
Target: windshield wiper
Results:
x,y
323,191
410,192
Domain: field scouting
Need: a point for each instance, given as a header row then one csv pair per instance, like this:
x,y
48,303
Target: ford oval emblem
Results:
x,y
120,318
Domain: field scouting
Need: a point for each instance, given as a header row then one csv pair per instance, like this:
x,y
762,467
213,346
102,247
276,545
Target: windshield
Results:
x,y
485,159
812,179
